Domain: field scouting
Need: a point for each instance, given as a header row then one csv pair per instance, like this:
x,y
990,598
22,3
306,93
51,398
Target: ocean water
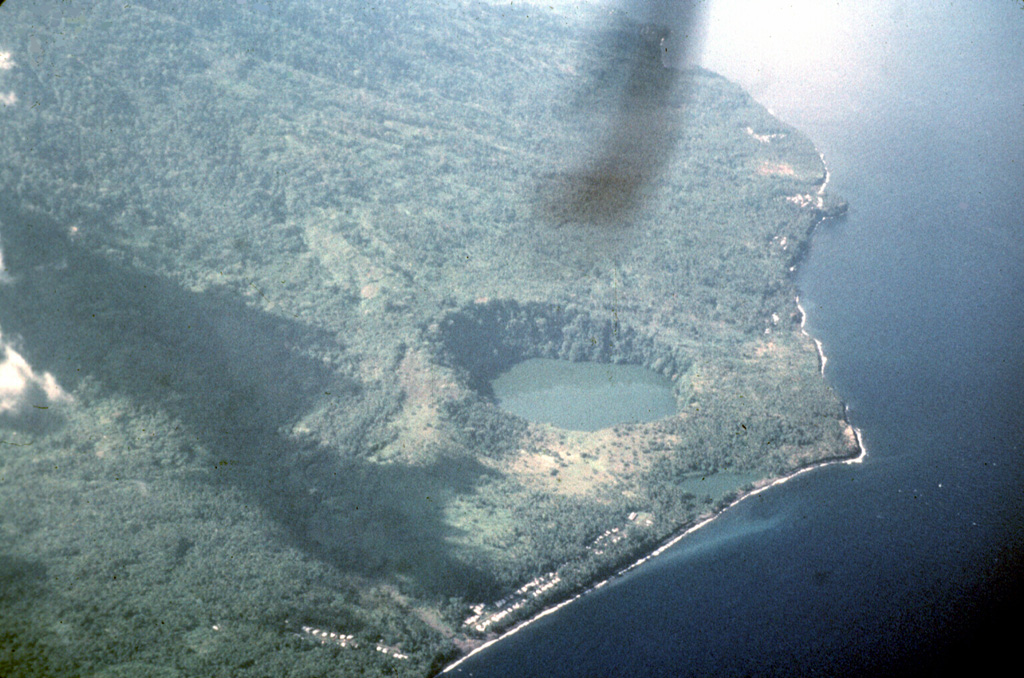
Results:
x,y
582,396
902,564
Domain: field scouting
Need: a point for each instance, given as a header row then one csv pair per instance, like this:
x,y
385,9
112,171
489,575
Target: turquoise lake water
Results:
x,y
584,396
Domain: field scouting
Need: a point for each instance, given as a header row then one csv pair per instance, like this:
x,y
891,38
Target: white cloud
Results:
x,y
21,387
6,64
4,277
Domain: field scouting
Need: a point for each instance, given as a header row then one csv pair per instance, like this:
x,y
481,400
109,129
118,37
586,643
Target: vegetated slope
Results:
x,y
272,252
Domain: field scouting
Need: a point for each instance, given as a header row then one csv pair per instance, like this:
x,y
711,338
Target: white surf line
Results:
x,y
522,625
859,459
821,354
828,175
672,541
822,358
653,554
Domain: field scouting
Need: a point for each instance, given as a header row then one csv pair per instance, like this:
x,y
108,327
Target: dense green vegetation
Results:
x,y
272,253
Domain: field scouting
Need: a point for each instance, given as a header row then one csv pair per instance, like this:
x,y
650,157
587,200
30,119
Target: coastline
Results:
x,y
705,519
668,543
822,358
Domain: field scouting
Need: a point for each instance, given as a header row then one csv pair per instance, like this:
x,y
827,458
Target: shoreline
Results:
x,y
668,543
703,520
822,358
672,540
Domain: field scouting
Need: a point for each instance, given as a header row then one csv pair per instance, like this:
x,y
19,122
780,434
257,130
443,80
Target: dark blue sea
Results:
x,y
912,561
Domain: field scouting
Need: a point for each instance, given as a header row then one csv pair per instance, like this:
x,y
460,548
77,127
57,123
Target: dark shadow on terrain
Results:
x,y
236,377
635,118
26,647
372,520
19,576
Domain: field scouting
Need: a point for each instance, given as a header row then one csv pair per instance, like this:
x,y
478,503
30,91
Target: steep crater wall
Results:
x,y
482,340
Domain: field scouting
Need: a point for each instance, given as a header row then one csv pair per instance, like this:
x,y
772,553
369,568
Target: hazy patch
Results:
x,y
23,391
7,98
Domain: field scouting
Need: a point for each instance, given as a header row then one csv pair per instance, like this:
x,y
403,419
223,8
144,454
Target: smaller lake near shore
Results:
x,y
584,396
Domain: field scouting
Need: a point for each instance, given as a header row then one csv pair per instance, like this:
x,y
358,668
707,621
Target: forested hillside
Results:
x,y
261,261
